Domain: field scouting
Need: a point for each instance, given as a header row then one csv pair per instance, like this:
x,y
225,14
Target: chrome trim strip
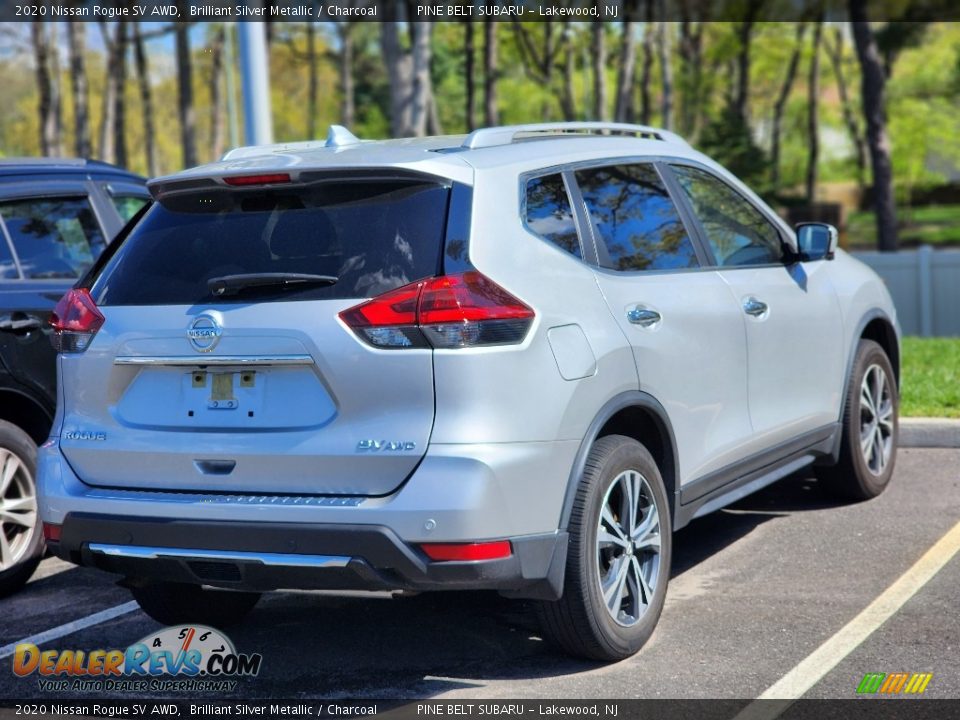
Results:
x,y
205,360
272,559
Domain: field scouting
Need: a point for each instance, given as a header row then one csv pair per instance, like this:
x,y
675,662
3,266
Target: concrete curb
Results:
x,y
929,433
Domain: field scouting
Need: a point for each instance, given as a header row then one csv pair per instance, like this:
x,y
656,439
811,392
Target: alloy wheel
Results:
x,y
18,509
876,419
628,548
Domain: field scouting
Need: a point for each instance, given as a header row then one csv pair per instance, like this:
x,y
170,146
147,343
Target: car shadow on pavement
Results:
x,y
325,646
706,536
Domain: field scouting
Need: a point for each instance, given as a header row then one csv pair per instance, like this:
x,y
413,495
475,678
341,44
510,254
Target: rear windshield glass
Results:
x,y
372,235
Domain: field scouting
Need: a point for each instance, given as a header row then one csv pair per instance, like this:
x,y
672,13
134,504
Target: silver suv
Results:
x,y
516,361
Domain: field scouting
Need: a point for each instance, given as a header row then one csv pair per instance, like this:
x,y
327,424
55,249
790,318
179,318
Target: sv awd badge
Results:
x,y
385,446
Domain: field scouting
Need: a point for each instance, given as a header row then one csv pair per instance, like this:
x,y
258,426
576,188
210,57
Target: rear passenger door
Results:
x,y
684,326
46,244
792,315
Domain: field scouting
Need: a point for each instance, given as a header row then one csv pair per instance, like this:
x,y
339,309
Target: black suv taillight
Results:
x,y
75,320
451,311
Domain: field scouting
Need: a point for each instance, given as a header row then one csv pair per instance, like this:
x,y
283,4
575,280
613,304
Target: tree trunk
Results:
x,y
312,82
76,40
624,109
399,73
813,121
873,83
409,73
55,86
741,96
146,101
666,72
691,73
599,50
185,109
646,70
108,104
568,103
217,119
491,113
119,101
780,105
422,89
347,103
835,52
47,104
434,126
471,107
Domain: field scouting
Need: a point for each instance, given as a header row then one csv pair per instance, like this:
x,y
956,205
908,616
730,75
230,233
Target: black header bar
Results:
x,y
459,10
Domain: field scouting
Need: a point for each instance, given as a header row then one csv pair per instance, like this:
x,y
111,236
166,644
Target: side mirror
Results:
x,y
817,241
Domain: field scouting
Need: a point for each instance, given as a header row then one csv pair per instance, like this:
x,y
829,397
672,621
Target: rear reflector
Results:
x,y
51,533
451,311
468,551
75,320
272,179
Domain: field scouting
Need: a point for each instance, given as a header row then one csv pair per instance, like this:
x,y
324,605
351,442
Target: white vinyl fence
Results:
x,y
925,285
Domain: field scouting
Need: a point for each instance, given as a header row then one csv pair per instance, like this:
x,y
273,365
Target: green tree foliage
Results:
x,y
543,73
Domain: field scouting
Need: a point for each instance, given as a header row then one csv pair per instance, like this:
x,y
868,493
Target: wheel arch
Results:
x,y
877,327
26,413
637,415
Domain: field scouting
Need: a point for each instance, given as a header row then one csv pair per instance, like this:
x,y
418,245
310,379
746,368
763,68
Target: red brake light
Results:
x,y
271,179
468,297
468,551
75,320
451,311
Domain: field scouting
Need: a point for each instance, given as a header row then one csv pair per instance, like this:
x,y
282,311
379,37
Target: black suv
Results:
x,y
56,217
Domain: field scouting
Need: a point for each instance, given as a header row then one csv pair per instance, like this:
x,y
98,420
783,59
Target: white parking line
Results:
x,y
71,627
815,666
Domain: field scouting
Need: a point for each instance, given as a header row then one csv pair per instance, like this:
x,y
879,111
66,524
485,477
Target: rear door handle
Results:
x,y
18,322
644,317
754,307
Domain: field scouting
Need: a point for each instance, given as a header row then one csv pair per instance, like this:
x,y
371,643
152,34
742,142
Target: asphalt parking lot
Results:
x,y
755,590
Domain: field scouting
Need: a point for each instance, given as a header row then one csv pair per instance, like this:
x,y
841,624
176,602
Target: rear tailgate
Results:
x,y
265,392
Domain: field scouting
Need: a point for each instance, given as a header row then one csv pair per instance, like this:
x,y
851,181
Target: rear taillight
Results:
x,y
451,311
75,320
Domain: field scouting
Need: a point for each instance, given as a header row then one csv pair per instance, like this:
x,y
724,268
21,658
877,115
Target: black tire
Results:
x,y
180,603
854,477
580,623
26,545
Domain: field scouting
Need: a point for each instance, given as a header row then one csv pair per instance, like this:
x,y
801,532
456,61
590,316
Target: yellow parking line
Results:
x,y
815,666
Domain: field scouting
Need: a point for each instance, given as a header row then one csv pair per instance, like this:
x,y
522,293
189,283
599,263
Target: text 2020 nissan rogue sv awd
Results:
x,y
517,361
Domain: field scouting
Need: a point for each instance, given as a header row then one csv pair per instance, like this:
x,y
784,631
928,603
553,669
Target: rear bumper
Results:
x,y
459,493
271,556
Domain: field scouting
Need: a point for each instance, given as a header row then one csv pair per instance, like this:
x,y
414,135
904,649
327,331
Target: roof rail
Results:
x,y
506,135
337,136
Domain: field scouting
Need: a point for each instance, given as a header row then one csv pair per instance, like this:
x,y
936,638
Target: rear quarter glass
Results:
x,y
374,235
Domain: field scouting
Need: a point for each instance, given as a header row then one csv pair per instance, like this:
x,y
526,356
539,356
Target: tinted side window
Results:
x,y
54,237
635,219
128,205
549,214
738,233
8,269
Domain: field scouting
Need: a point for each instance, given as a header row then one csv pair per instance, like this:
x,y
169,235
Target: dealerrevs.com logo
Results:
x,y
181,658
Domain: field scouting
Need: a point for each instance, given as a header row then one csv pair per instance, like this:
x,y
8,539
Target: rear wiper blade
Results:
x,y
233,284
